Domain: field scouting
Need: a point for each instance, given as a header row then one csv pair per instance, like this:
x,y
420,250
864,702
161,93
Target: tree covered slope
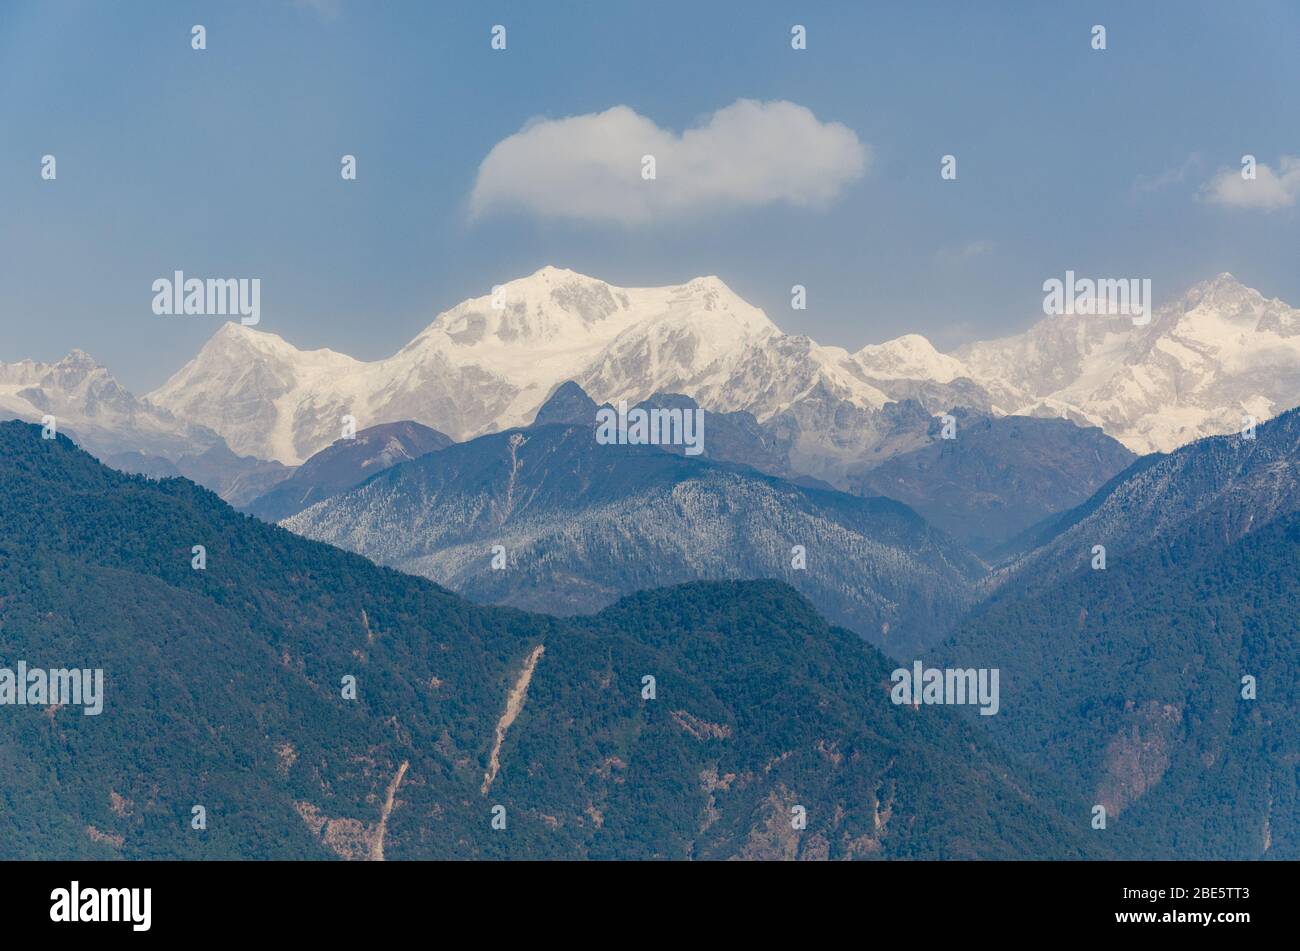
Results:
x,y
223,689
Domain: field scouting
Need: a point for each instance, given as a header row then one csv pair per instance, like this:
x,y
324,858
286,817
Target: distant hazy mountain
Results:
x,y
90,407
737,437
128,433
237,479
581,524
225,689
731,436
998,476
1219,352
345,464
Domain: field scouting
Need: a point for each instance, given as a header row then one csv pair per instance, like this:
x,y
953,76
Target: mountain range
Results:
x,y
712,720
1206,359
574,525
1139,610
547,518
1160,687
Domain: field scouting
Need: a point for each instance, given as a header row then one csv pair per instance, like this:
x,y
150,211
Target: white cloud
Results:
x,y
589,167
1268,191
1170,176
964,252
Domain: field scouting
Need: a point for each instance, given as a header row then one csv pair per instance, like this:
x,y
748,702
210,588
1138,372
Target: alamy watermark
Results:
x,y
652,427
950,685
77,904
1113,297
213,297
36,686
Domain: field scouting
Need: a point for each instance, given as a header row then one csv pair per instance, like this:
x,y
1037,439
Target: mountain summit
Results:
x,y
1216,353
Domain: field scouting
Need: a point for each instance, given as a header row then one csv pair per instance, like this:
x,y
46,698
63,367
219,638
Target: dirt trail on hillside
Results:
x,y
377,841
514,703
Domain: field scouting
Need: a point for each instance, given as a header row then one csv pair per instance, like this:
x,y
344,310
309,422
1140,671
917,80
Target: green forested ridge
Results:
x,y
1126,685
222,689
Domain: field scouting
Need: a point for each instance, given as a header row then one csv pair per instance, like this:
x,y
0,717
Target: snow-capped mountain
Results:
x,y
489,363
92,408
127,433
1218,353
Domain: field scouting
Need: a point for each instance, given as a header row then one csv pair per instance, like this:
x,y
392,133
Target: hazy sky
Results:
x,y
226,162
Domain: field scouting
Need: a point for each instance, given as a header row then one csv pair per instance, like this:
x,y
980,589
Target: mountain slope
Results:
x,y
754,746
1127,685
582,523
222,689
999,476
1228,484
1127,682
345,464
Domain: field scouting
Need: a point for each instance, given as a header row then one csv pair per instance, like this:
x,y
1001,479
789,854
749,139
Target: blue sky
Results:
x,y
225,162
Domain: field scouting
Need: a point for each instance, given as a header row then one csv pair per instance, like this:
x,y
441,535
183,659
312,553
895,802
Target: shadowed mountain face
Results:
x,y
999,476
732,437
571,525
737,437
568,403
345,464
228,689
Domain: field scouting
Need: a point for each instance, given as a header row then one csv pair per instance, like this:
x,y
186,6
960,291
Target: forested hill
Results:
x,y
223,689
1165,688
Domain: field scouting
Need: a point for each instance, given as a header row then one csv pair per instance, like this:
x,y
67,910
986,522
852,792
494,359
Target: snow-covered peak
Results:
x,y
566,311
1209,356
232,337
1224,306
78,359
551,306
1222,290
88,404
909,357
1225,297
